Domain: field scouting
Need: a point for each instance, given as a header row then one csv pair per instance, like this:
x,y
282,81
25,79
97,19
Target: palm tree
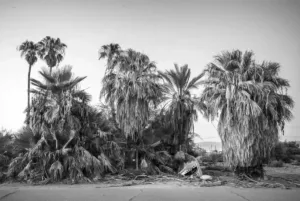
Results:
x,y
136,91
112,52
247,100
133,86
179,105
52,51
64,122
29,50
60,86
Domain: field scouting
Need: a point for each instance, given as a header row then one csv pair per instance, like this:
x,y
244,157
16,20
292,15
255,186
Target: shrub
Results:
x,y
297,158
207,159
286,159
212,157
286,151
297,163
276,164
217,157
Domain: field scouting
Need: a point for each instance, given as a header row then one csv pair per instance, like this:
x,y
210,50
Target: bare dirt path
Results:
x,y
142,193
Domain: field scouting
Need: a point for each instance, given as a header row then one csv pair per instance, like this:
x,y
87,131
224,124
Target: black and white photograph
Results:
x,y
149,100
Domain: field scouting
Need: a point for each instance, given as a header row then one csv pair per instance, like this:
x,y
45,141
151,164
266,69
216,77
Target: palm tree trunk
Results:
x,y
55,138
181,137
136,159
113,111
28,92
228,96
47,91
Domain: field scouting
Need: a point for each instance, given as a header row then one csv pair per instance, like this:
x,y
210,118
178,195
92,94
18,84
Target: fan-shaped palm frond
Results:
x,y
61,80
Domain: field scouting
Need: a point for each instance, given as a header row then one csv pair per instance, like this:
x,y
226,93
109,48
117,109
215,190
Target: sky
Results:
x,y
183,32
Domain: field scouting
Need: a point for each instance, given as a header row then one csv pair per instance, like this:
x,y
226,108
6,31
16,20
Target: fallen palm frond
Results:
x,y
4,160
56,170
106,163
167,169
192,165
16,166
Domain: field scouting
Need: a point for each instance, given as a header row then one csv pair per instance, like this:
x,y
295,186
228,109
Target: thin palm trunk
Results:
x,y
136,159
181,137
28,92
50,71
47,91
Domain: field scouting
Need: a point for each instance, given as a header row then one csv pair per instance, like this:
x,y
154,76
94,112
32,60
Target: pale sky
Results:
x,y
183,32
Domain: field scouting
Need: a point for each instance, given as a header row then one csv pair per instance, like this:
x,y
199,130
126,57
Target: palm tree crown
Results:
x,y
52,51
29,50
111,52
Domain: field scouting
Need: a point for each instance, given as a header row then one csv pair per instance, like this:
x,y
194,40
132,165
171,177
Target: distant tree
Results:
x,y
29,50
286,151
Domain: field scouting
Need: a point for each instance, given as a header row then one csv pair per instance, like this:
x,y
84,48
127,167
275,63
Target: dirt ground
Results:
x,y
286,177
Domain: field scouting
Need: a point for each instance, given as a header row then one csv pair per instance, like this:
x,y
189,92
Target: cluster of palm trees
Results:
x,y
147,115
49,49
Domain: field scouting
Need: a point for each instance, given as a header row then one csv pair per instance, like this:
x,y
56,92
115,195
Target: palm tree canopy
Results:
x,y
62,94
51,50
236,78
132,85
29,50
109,51
178,81
59,81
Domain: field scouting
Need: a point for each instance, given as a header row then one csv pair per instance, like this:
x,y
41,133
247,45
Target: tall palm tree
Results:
x,y
52,51
136,91
133,86
29,50
247,100
179,104
112,53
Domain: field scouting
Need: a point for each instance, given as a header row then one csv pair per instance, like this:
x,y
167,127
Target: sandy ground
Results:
x,y
142,193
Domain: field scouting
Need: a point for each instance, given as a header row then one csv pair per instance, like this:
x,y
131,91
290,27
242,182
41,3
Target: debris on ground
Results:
x,y
212,176
206,177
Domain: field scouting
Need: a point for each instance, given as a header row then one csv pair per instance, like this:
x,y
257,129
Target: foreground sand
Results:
x,y
155,192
